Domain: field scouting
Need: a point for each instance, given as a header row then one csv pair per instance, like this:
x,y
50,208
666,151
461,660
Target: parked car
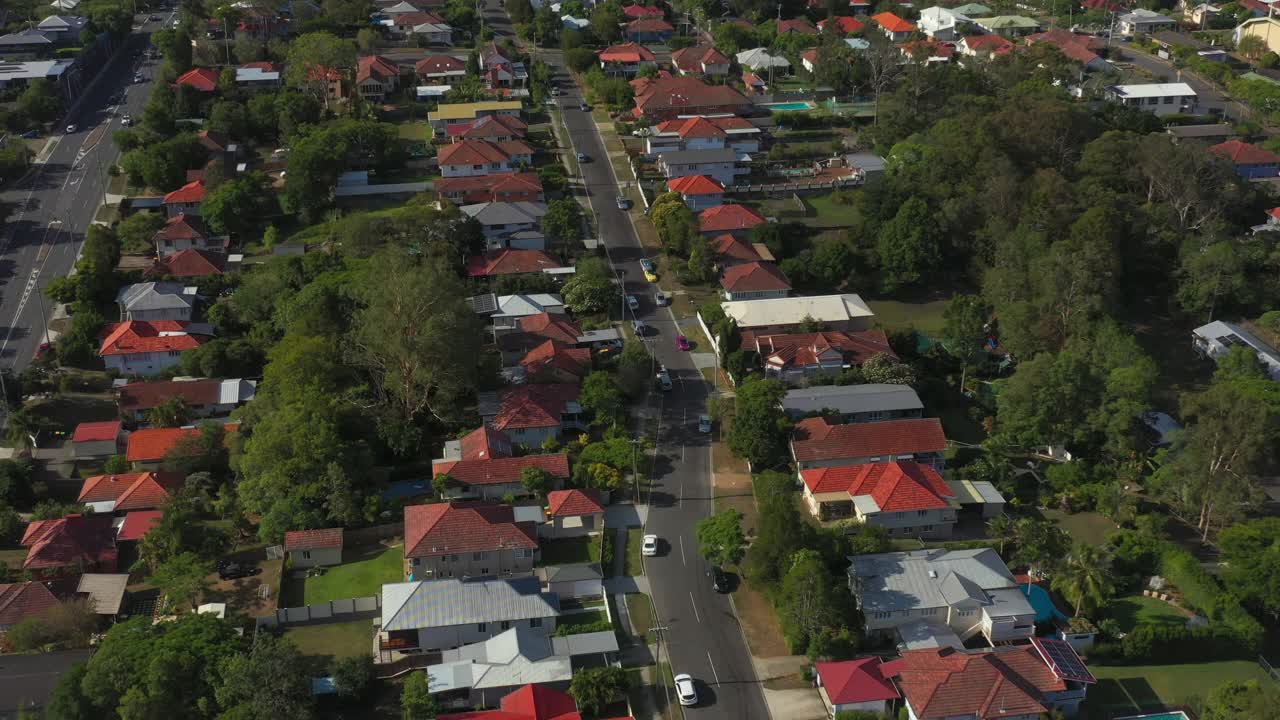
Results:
x,y
30,134
664,380
660,299
228,570
623,203
584,107
682,342
137,77
633,303
647,265
685,690
555,91
639,328
649,546
650,276
42,351
582,157
127,120
704,423
719,580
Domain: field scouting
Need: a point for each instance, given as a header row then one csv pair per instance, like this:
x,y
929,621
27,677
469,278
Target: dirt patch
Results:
x,y
724,462
759,623
787,682
255,596
744,504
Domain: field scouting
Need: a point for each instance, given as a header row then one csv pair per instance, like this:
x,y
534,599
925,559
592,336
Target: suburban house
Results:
x,y
467,539
313,548
510,262
516,338
572,581
481,157
203,398
97,439
873,402
481,465
70,546
573,513
668,98
956,593
440,118
156,301
729,218
795,358
906,498
648,30
144,347
700,60
1251,162
186,232
500,72
720,165
762,62
499,221
129,492
845,24
699,192
637,11
855,686
65,28
494,128
626,59
796,26
376,77
818,443
897,29
984,47
1143,21
106,593
530,414
184,200
552,362
532,702
703,133
754,281
194,263
424,25
1266,28
147,447
22,600
781,315
481,674
444,614
939,23
730,250
500,187
927,51
1009,26
440,70
1011,682
505,312
203,80
1218,337
1081,48
258,77
1159,98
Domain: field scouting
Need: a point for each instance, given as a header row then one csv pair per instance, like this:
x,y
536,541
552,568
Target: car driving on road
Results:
x,y
704,423
633,303
685,690
650,546
719,580
664,380
72,128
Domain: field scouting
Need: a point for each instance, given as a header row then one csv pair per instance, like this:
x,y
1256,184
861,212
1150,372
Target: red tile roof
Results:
x,y
729,246
264,65
695,185
631,52
895,486
802,349
509,262
214,142
988,684
153,444
438,64
457,527
727,218
202,79
702,127
322,539
993,44
754,277
137,524
684,94
810,56
540,702
649,25
691,59
472,152
190,263
485,443
815,439
573,502
846,24
855,681
501,470
926,49
376,67
555,355
796,25
1076,47
414,19
148,336
1243,153
96,431
489,126
146,395
130,491
192,192
530,406
892,23
182,227
22,600
551,327
514,147
79,540
496,183
1274,212
640,11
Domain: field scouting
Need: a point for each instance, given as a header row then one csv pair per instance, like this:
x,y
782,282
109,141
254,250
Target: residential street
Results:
x,y
1209,95
57,201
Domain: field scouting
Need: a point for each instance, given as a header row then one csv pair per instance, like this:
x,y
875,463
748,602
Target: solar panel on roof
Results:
x,y
1232,340
1063,660
484,304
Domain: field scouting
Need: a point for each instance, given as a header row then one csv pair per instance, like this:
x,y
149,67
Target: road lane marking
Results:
x,y
695,608
713,668
681,539
681,453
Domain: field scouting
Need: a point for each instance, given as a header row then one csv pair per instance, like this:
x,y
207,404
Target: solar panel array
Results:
x,y
1233,340
1063,660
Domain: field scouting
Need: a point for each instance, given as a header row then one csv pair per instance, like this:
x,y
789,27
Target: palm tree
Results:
x,y
1000,528
1083,579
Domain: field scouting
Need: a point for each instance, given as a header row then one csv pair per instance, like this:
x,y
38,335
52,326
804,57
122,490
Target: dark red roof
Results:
x,y
551,327
796,25
754,277
530,406
146,395
376,67
190,263
649,25
684,94
788,349
192,192
148,336
489,126
182,227
472,152
816,440
729,246
22,600
510,262
445,528
1243,153
495,184
96,431
554,355
137,524
485,443
855,681
540,702
641,11
987,684
573,502
202,79
691,59
500,471
72,540
846,24
988,43
727,218
438,64
631,52
322,539
130,491
895,486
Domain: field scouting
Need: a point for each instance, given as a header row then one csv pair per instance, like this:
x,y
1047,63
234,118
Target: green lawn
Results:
x,y
830,214
634,563
1087,527
341,639
1135,610
361,577
923,316
564,551
579,622
640,610
1134,689
415,130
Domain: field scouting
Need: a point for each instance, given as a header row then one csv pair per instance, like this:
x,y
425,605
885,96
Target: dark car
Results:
x,y
232,570
719,580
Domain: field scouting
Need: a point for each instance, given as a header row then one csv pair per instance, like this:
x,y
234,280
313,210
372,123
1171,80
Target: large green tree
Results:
x,y
760,428
269,682
720,537
1251,563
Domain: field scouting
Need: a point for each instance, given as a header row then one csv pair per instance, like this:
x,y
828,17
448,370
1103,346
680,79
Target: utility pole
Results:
x,y
657,664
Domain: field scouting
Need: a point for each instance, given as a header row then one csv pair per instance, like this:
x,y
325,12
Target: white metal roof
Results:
x,y
791,311
1150,90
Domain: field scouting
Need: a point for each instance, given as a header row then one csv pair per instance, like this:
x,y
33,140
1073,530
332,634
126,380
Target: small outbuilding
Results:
x,y
97,439
312,548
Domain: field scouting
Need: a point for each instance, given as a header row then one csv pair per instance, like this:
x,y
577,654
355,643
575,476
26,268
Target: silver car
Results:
x,y
685,691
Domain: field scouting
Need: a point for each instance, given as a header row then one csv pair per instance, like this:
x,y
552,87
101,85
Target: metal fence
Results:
x,y
350,608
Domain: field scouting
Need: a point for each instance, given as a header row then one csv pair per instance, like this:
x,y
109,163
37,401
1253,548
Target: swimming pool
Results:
x,y
1175,715
792,106
1042,603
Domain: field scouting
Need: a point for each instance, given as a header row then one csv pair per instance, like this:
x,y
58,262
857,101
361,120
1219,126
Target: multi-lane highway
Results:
x,y
58,199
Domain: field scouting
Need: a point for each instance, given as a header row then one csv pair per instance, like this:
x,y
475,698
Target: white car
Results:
x,y
685,690
633,303
649,548
660,299
126,121
704,423
72,128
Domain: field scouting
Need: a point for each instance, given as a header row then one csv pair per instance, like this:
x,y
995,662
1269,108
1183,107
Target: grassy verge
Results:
x,y
634,563
362,577
640,610
336,640
565,551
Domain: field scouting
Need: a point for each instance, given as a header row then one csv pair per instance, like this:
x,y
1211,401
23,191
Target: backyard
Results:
x,y
1135,689
580,622
1090,528
565,551
338,639
1129,612
363,573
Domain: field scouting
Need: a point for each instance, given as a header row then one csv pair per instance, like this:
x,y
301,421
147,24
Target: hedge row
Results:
x,y
1203,593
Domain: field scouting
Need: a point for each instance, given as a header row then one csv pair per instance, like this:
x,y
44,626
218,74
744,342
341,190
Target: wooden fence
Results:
x,y
372,534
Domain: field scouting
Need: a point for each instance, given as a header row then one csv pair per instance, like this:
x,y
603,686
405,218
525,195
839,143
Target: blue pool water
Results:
x,y
1175,715
1042,604
789,106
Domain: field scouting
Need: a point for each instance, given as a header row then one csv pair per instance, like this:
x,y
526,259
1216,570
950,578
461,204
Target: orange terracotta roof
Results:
x,y
485,443
845,23
202,79
130,491
1242,153
192,192
726,218
148,336
986,684
553,354
796,25
695,185
754,277
376,67
530,406
182,227
631,52
573,502
895,486
152,444
501,470
817,440
510,262
893,23
785,350
729,246
448,528
472,152
191,262
96,431
324,539
438,64
684,94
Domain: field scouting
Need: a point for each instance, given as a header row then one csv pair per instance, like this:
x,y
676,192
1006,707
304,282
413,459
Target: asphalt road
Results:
x,y
702,638
55,203
1209,96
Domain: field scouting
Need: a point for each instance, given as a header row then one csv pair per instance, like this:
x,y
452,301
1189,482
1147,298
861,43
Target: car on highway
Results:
x,y
660,299
664,380
704,423
623,203
682,343
685,690
719,580
633,303
649,547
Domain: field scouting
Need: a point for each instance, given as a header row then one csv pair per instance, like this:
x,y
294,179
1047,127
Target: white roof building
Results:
x,y
795,310
1217,338
1153,90
936,21
759,59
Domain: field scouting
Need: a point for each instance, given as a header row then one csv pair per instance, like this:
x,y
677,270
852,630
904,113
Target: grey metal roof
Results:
x,y
848,399
516,657
570,573
26,37
586,643
154,296
914,580
505,213
446,603
595,336
691,157
105,591
923,634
